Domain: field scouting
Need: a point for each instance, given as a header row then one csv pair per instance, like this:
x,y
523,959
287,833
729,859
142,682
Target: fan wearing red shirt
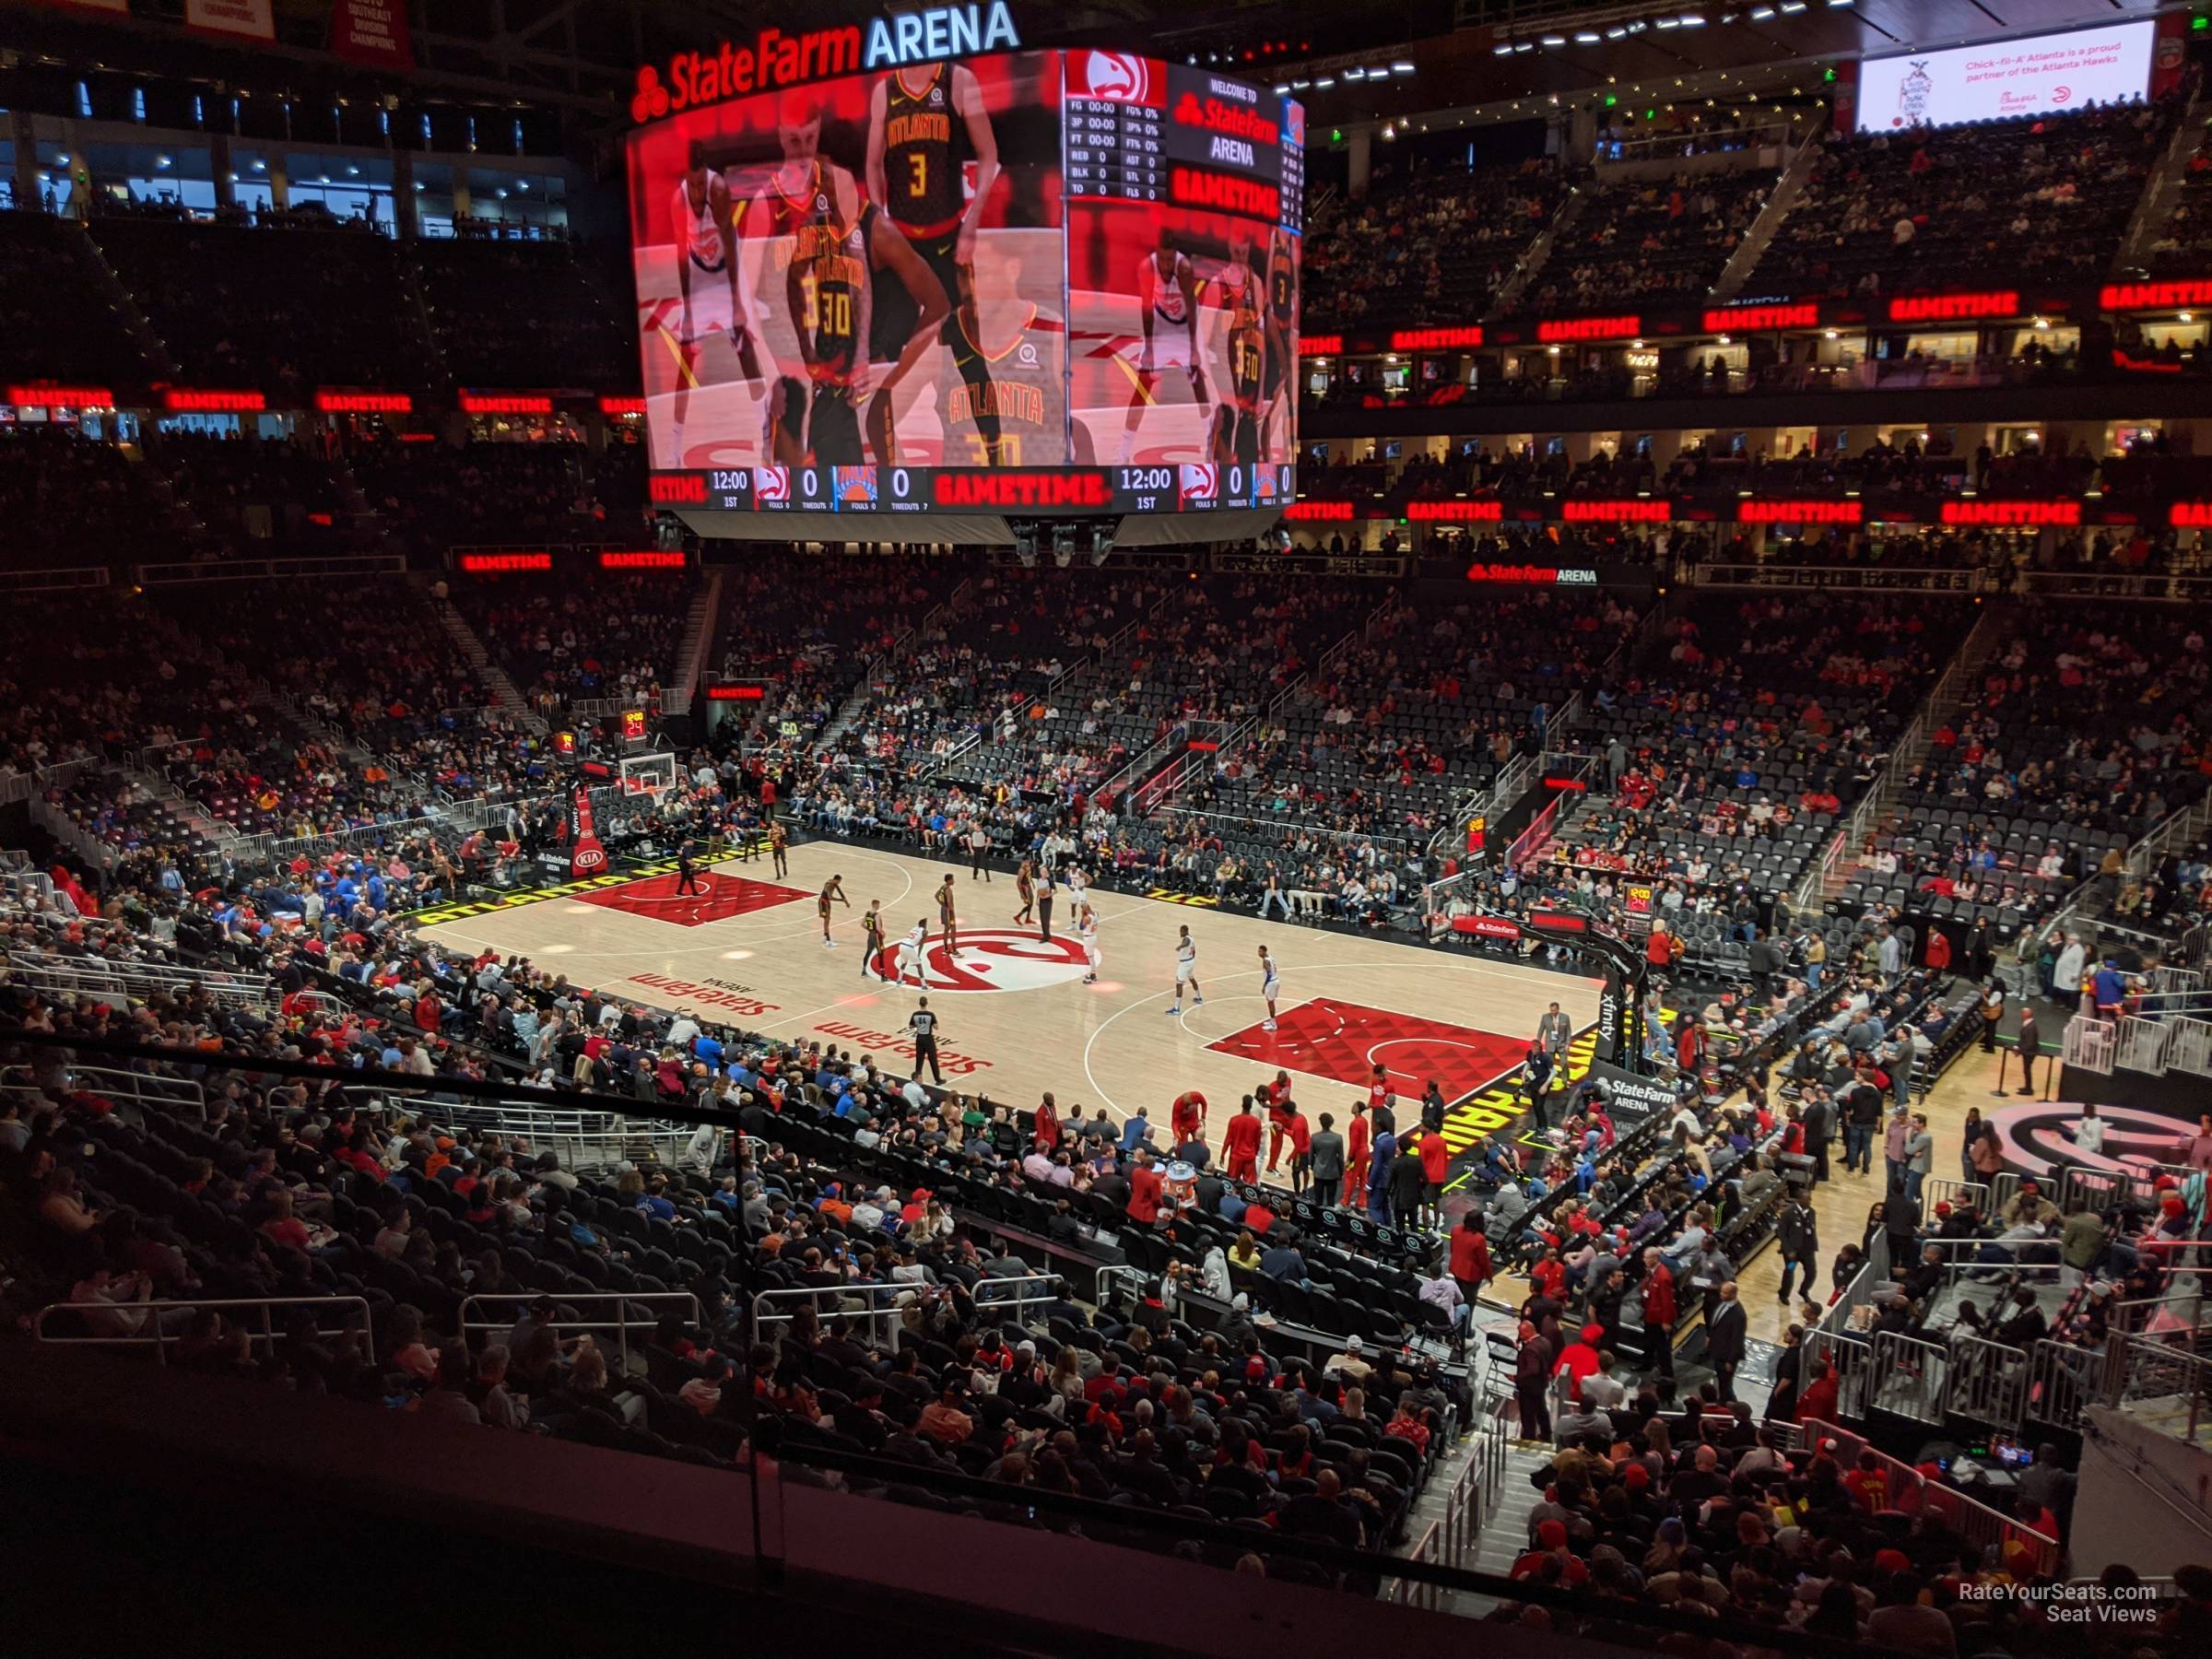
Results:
x,y
1186,1117
1241,1144
1436,1163
1869,1483
1145,1188
1048,1126
1279,1113
1471,1256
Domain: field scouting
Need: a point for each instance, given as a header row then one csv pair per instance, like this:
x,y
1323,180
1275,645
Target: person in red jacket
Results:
x,y
1300,1133
1436,1163
1279,1113
1145,1187
1658,1312
1354,1153
1471,1256
1579,1360
1048,1126
1241,1144
1659,948
1186,1117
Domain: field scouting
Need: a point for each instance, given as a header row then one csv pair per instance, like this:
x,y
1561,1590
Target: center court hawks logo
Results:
x,y
990,959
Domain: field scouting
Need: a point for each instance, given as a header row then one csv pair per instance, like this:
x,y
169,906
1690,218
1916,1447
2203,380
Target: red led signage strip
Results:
x,y
2011,512
648,559
1319,345
736,693
1748,319
1616,513
1955,308
1559,330
498,564
2190,515
1309,512
1437,339
2155,296
505,403
1801,513
50,397
1454,512
179,402
364,403
621,405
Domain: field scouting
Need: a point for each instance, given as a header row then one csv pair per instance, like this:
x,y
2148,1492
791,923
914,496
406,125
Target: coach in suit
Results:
x,y
1724,1340
1324,1154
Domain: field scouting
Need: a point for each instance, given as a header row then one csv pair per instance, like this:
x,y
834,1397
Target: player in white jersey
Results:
x,y
1078,887
1167,304
707,220
910,953
1271,983
1187,971
1087,930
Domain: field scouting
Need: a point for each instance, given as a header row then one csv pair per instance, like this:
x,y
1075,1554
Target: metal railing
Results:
x,y
84,976
619,1303
877,1301
1852,1356
583,1140
2063,1377
2163,1380
158,1089
1455,1538
156,1334
1975,1521
1987,1381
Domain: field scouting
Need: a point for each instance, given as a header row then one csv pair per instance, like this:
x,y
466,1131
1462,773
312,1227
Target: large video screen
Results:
x,y
1042,280
2041,75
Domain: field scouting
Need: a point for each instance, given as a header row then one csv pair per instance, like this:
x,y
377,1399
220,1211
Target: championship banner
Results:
x,y
586,856
250,17
371,31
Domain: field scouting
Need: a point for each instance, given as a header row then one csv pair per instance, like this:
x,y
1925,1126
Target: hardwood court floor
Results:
x,y
1016,1020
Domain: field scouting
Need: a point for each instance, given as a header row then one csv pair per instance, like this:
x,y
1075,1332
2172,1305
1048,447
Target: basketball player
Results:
x,y
707,221
839,240
1025,889
914,171
1186,1117
871,926
1015,413
1087,930
1270,983
834,892
1187,971
1236,424
1077,886
779,846
910,952
948,915
1167,306
1281,330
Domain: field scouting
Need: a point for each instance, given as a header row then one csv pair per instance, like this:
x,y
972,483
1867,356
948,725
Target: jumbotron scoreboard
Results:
x,y
911,268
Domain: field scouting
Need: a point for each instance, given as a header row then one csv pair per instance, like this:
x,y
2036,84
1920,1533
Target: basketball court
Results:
x,y
1015,1018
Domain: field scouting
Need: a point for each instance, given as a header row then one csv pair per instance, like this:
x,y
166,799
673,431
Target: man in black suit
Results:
x,y
1325,1158
1724,1340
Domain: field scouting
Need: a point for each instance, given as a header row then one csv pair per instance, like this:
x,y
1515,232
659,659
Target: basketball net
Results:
x,y
586,856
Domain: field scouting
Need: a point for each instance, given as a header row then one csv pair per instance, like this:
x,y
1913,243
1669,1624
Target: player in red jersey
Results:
x,y
1186,1117
1277,1096
1241,1144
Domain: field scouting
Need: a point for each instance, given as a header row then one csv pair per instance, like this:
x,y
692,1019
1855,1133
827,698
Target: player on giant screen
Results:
x,y
914,171
707,223
1236,424
1281,325
1167,305
839,242
1017,415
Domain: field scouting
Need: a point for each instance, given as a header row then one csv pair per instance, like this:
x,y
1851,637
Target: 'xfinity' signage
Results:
x,y
774,59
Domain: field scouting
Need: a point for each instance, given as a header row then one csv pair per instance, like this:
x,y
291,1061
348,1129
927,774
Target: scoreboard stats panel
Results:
x,y
1189,487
